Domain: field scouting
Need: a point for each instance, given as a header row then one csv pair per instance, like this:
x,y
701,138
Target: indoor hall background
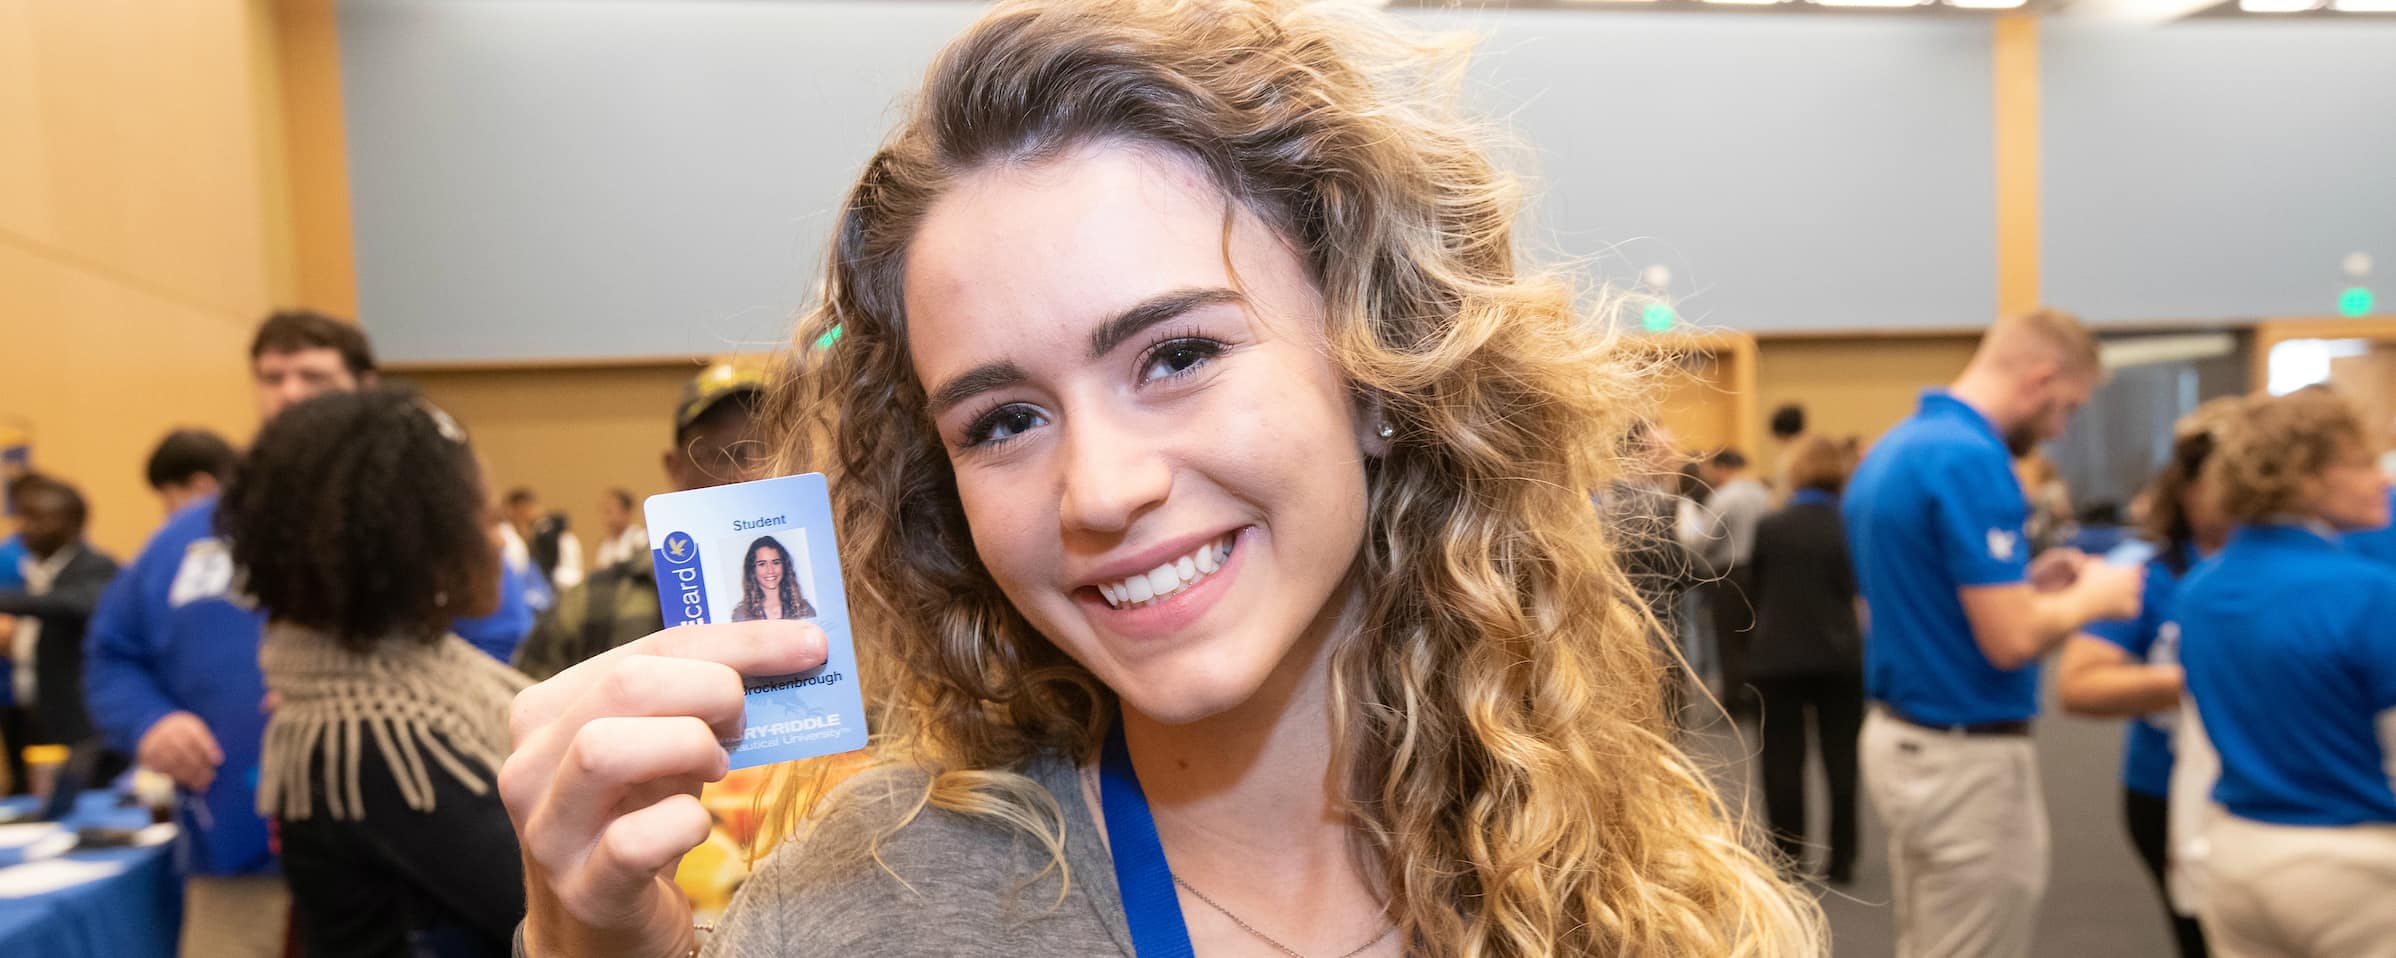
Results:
x,y
2124,433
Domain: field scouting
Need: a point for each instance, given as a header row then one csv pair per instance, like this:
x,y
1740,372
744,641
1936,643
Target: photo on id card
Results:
x,y
764,550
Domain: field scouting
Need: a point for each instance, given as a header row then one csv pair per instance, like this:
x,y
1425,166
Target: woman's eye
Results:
x,y
1002,424
1178,357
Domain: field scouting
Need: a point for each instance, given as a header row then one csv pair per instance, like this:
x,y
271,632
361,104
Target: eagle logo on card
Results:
x,y
679,548
682,584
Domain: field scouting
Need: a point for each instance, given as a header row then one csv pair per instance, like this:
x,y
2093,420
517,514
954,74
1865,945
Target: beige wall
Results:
x,y
568,433
1858,385
136,190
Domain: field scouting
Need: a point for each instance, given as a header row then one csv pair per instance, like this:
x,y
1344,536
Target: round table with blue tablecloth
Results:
x,y
122,903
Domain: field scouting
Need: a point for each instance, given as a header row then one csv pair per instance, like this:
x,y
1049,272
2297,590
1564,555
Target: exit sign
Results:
x,y
2355,301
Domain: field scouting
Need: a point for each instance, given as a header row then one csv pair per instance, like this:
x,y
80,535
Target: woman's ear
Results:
x,y
1375,433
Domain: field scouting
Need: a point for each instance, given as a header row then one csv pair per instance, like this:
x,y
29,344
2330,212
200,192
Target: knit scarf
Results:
x,y
445,701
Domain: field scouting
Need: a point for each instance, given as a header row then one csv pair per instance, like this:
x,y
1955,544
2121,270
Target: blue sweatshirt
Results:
x,y
167,638
499,633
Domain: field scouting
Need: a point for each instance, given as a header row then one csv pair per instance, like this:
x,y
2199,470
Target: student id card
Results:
x,y
764,550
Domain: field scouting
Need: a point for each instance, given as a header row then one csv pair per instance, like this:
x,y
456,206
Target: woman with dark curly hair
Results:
x,y
2290,664
358,522
769,585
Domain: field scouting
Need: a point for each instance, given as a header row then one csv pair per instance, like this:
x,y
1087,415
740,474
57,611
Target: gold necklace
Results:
x,y
1268,939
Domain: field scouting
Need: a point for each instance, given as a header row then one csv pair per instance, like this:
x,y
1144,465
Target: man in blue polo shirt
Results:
x,y
1959,617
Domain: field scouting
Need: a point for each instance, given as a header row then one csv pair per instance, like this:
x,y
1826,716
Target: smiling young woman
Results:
x,y
1214,493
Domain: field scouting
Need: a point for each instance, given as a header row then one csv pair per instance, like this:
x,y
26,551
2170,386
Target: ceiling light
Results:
x,y
1747,3
2277,6
2363,6
1869,3
1984,4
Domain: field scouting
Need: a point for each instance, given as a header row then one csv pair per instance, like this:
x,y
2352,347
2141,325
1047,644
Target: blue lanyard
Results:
x,y
1812,497
1151,907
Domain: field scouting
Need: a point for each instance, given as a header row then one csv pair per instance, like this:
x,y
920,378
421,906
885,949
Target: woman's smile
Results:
x,y
1173,595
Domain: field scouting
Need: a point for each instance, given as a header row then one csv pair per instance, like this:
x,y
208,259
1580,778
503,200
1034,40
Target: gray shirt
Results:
x,y
947,884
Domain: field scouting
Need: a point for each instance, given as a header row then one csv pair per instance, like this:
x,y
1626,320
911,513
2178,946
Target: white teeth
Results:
x,y
1169,578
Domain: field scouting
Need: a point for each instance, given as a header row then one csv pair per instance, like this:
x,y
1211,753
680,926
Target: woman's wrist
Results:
x,y
666,931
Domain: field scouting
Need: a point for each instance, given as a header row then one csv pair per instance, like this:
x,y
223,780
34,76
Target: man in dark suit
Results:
x,y
63,580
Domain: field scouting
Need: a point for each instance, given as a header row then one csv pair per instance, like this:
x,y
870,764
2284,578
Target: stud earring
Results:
x,y
1385,430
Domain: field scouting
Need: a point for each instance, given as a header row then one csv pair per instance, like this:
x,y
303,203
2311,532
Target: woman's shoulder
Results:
x,y
882,870
885,811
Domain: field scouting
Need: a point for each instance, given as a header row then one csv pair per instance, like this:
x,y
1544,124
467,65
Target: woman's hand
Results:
x,y
603,782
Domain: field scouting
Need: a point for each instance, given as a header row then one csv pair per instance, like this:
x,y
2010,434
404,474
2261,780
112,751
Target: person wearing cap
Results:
x,y
1959,617
715,442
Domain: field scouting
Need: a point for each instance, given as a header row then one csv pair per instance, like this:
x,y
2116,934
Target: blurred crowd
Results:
x,y
317,645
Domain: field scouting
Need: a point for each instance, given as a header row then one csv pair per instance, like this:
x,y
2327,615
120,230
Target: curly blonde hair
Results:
x,y
2265,451
1510,768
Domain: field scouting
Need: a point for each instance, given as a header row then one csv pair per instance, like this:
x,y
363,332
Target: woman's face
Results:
x,y
2352,493
767,565
1161,467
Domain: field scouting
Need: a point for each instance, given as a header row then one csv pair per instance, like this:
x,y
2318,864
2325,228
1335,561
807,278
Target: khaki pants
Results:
x,y
2287,891
1967,833
242,916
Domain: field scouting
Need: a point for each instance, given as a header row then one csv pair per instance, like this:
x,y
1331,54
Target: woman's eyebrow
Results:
x,y
1103,340
976,381
1154,310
